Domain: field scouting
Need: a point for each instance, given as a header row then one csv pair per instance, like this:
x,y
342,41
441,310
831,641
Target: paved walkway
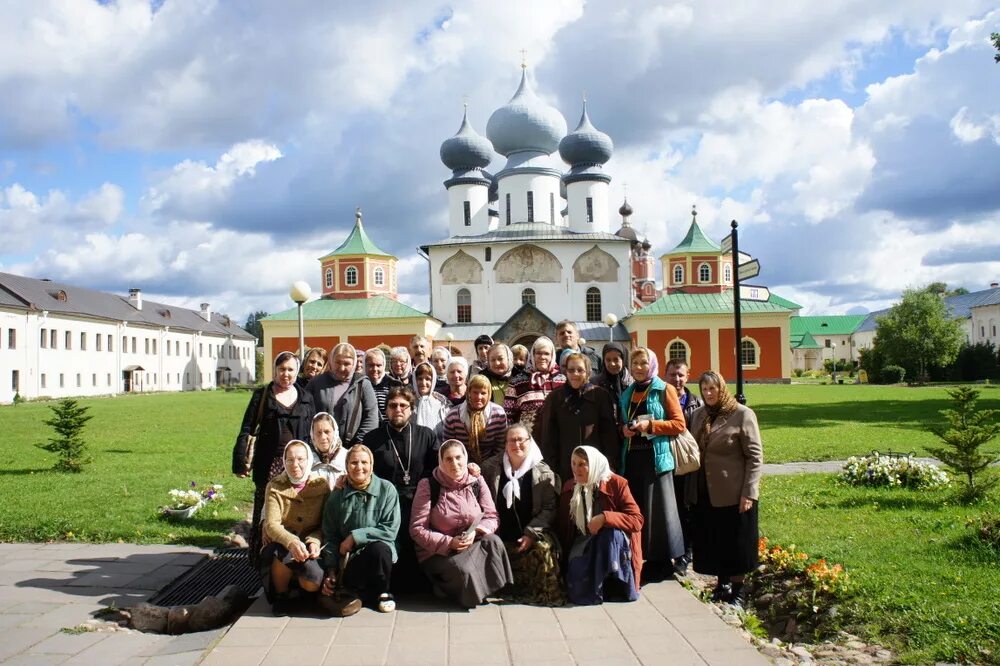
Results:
x,y
46,588
668,625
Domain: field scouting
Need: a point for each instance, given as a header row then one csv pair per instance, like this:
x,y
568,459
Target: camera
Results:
x,y
632,424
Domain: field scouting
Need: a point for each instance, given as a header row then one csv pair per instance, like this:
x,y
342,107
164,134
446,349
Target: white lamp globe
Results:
x,y
300,291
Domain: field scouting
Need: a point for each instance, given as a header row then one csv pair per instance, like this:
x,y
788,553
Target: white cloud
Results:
x,y
29,219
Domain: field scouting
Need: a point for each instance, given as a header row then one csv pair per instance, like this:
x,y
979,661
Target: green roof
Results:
x,y
357,243
696,242
826,324
803,341
680,303
376,307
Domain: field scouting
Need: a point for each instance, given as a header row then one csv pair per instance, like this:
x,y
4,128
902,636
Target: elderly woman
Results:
x,y
277,414
431,406
439,359
725,492
499,361
400,367
600,526
526,493
614,377
293,513
652,414
577,413
457,374
313,365
453,527
361,521
331,455
478,423
526,393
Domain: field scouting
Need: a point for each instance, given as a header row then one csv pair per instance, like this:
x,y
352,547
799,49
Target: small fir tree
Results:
x,y
968,429
68,420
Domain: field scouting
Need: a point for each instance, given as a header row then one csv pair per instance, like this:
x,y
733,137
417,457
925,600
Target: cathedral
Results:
x,y
533,244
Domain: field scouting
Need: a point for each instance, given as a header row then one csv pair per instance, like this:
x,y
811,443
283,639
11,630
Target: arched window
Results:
x,y
379,277
351,276
528,296
593,304
329,278
464,313
727,272
678,350
704,273
678,274
749,353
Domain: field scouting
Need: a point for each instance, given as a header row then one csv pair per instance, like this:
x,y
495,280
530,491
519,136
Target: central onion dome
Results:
x,y
525,124
467,149
586,145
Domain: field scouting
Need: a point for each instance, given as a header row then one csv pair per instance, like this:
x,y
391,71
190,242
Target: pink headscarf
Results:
x,y
654,364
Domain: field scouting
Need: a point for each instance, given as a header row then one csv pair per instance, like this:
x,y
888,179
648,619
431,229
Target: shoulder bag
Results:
x,y
243,455
687,457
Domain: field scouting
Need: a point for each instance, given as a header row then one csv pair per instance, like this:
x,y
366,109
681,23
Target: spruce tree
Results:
x,y
68,420
968,429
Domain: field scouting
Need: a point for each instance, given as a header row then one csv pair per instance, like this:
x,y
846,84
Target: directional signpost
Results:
x,y
751,292
748,270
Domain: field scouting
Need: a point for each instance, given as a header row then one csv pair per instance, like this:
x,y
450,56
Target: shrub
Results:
x,y
798,372
968,429
68,421
892,374
881,471
987,528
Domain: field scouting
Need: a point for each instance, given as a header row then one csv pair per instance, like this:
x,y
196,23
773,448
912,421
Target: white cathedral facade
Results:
x,y
535,232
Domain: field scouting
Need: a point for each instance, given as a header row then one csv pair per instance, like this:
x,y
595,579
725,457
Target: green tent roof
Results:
x,y
680,303
803,341
376,307
696,242
357,243
826,324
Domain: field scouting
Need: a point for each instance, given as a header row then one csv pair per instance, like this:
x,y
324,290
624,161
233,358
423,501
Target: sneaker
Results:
x,y
681,566
386,604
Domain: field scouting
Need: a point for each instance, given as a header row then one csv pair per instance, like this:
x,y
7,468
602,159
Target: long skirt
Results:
x,y
310,570
472,575
600,568
662,537
724,540
537,578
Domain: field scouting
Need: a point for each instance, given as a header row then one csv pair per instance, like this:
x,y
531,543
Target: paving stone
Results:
x,y
551,651
119,648
8,620
61,643
295,655
481,653
48,579
530,631
259,637
16,564
602,649
480,615
180,659
367,618
375,636
233,656
316,637
424,620
477,633
747,656
64,615
187,559
717,640
414,654
36,659
354,655
18,641
190,642
589,629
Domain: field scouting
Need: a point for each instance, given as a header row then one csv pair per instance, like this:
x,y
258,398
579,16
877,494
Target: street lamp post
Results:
x,y
300,293
833,355
610,320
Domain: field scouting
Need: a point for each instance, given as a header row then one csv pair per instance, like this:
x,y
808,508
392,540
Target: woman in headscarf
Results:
x,y
526,493
652,415
400,367
725,492
453,527
525,394
457,375
499,361
361,521
431,405
577,413
614,377
439,359
293,514
277,414
600,526
314,364
478,423
331,456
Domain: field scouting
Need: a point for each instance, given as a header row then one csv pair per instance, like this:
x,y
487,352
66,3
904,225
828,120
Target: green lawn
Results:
x,y
142,446
805,422
924,586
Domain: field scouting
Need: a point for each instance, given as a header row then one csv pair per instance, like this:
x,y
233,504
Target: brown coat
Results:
x,y
620,511
289,515
732,456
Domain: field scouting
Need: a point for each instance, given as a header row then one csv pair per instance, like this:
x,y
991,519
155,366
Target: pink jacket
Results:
x,y
433,528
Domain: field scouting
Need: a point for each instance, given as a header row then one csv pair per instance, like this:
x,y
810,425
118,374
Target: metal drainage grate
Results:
x,y
230,566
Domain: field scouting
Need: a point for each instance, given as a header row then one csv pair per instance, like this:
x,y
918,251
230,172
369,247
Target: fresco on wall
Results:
x,y
595,265
528,263
461,268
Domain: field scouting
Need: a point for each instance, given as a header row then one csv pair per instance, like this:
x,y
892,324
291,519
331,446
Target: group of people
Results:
x,y
542,481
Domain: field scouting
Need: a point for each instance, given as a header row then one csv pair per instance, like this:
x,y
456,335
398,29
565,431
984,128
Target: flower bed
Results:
x,y
881,471
185,503
796,596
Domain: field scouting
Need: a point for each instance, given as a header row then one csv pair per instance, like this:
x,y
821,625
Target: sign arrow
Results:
x,y
727,244
749,269
751,292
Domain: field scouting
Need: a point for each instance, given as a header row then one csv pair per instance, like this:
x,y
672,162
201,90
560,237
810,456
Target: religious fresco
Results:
x,y
595,265
461,268
527,263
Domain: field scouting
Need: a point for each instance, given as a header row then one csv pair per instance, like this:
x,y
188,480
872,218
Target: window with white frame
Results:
x,y
749,353
379,277
351,276
704,273
678,274
528,296
464,309
678,350
593,304
329,278
727,272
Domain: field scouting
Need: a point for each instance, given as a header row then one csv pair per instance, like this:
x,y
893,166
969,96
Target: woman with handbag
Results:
x,y
725,492
360,521
652,415
600,526
453,526
277,414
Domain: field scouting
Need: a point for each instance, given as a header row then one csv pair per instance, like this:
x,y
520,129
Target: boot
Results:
x,y
738,595
281,604
722,591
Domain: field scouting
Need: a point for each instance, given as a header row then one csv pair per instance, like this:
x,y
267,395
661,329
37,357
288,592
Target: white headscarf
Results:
x,y
581,505
512,489
295,481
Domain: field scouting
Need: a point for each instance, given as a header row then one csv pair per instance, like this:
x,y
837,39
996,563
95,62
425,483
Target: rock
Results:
x,y
147,617
861,658
883,654
856,645
772,651
783,661
791,627
802,653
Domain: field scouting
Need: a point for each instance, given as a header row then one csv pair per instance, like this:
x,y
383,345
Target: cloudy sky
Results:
x,y
212,150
